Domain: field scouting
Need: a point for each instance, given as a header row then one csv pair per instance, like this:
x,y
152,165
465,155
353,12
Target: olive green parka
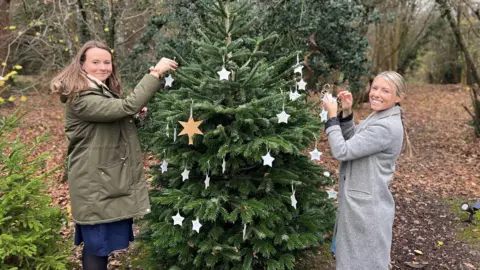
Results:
x,y
105,168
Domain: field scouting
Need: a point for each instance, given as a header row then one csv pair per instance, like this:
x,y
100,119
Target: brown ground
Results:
x,y
446,166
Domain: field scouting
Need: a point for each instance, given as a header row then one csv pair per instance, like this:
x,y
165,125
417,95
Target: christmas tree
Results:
x,y
234,189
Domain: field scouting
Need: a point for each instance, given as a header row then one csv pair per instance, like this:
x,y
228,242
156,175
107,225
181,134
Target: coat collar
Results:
x,y
97,84
395,110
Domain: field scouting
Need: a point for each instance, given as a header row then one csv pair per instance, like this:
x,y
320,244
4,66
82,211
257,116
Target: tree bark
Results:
x,y
468,58
84,32
460,40
4,33
397,34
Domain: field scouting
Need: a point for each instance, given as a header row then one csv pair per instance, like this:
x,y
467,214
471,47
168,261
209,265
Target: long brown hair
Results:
x,y
73,80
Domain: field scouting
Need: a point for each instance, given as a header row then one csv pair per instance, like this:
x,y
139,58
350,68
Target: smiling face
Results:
x,y
98,63
383,94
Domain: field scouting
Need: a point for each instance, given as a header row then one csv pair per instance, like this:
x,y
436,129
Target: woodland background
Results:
x,y
434,44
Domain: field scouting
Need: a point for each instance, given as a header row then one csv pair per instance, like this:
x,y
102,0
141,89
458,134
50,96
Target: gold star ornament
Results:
x,y
190,128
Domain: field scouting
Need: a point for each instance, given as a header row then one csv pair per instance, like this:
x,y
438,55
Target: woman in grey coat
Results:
x,y
368,152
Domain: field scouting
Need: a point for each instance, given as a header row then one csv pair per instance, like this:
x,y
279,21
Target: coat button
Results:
x,y
130,121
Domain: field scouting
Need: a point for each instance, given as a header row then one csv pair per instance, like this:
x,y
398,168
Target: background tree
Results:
x,y
402,30
334,27
45,35
248,218
4,40
471,63
328,30
29,225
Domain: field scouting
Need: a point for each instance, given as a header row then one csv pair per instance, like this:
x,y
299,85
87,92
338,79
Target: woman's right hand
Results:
x,y
347,101
163,66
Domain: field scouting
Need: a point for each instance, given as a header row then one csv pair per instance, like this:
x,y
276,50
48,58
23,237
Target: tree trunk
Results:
x,y
468,58
461,42
5,35
83,31
387,48
396,39
113,21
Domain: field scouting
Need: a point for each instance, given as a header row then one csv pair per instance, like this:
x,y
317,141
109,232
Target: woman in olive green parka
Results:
x,y
105,168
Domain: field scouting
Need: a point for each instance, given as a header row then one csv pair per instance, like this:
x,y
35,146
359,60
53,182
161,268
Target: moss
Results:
x,y
319,259
469,232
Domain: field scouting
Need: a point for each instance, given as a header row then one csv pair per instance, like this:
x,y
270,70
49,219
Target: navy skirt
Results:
x,y
103,239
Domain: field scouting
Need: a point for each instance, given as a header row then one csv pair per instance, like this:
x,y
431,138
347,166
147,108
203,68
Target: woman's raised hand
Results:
x,y
163,66
331,106
347,101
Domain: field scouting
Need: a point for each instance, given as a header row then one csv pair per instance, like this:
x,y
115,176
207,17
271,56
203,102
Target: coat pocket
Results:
x,y
359,193
114,179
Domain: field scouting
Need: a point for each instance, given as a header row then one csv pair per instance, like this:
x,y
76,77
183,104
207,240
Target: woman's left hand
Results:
x,y
143,112
331,106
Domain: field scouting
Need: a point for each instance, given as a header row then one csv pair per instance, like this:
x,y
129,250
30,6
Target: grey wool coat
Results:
x,y
368,153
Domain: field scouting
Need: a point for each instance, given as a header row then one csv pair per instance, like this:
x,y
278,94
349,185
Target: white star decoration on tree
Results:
x,y
224,165
224,74
207,181
267,159
332,194
283,117
328,97
324,115
293,199
185,174
164,166
294,95
301,84
178,219
315,154
298,69
169,80
196,225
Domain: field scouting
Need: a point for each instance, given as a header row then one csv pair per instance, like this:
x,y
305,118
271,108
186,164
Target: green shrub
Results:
x,y
29,224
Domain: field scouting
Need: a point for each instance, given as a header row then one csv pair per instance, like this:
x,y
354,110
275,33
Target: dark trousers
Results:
x,y
92,262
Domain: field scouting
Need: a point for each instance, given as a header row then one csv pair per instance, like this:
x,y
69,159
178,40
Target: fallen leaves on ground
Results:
x,y
446,165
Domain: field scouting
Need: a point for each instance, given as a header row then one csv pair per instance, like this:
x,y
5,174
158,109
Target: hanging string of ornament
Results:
x,y
315,154
164,166
283,116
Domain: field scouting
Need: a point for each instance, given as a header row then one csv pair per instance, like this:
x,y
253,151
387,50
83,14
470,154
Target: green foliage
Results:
x,y
336,26
138,59
239,125
43,36
336,42
470,233
438,58
29,225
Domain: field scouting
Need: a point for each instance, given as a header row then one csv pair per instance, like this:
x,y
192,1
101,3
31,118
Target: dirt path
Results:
x,y
446,165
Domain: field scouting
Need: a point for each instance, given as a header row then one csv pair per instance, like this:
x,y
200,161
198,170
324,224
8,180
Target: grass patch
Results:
x,y
319,259
469,232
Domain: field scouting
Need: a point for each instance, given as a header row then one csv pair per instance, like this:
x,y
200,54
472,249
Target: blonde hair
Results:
x,y
73,80
400,88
